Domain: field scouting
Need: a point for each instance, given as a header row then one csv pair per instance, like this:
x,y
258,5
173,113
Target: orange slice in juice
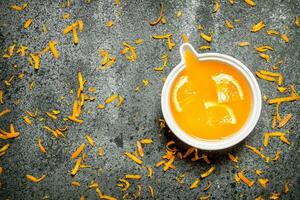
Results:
x,y
228,89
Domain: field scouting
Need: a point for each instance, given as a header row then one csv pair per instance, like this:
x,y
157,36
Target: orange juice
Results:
x,y
209,99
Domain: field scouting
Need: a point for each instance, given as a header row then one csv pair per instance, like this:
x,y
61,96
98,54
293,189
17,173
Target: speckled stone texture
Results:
x,y
117,130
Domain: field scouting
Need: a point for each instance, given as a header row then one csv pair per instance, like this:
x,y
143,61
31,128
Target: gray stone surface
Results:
x,y
117,130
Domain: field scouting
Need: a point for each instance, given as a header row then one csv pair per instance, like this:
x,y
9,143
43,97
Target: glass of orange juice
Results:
x,y
210,101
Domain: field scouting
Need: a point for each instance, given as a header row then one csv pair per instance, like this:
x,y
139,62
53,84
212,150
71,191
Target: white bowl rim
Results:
x,y
213,144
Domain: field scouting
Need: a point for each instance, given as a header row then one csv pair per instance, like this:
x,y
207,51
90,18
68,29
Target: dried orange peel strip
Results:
x,y
293,97
281,136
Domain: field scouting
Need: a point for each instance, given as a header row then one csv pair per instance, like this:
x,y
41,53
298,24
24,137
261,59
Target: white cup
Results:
x,y
212,144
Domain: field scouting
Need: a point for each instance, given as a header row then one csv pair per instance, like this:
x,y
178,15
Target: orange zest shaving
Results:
x,y
110,23
272,32
255,150
257,27
134,158
185,38
168,38
133,176
244,179
146,141
217,6
126,184
165,58
90,140
188,152
54,133
283,99
9,135
208,172
53,49
233,158
160,163
100,151
206,37
75,183
205,158
277,155
243,44
263,182
36,61
161,14
22,50
169,163
208,186
151,191
264,56
78,151
19,8
40,145
237,178
27,23
265,77
140,148
120,101
264,48
281,136
1,97
51,115
76,167
285,120
132,56
111,98
250,2
285,38
204,47
286,187
4,112
4,148
150,171
228,24
34,179
195,183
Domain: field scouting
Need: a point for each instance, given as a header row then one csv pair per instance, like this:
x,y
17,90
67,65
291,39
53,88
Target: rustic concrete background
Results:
x,y
116,130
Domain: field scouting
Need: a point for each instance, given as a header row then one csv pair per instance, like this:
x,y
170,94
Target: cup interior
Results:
x,y
213,144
